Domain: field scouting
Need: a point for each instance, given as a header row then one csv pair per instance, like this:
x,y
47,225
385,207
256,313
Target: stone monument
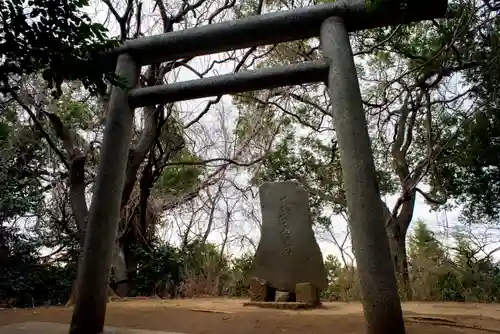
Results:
x,y
288,264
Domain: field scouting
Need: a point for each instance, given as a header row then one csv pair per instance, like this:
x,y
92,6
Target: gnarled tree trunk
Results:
x,y
397,224
122,286
397,244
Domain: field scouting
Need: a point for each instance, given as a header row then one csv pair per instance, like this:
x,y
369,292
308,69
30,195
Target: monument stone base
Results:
x,y
281,305
305,295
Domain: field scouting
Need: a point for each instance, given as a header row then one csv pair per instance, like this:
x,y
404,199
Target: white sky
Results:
x,y
190,108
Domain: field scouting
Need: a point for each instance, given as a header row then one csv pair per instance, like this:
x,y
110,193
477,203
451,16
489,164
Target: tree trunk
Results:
x,y
219,284
120,272
397,225
397,244
72,298
131,262
405,276
76,262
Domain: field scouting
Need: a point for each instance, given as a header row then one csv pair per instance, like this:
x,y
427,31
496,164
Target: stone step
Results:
x,y
55,328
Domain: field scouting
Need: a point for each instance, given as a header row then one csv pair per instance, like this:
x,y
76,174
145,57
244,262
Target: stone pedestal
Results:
x,y
260,291
307,293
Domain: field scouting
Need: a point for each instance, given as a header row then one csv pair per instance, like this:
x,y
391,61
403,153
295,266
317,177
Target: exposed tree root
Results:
x,y
210,311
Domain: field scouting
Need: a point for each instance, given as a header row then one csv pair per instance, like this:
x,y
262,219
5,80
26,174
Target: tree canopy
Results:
x,y
55,39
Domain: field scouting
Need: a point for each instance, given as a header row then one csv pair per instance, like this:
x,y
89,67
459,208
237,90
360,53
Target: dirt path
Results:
x,y
228,316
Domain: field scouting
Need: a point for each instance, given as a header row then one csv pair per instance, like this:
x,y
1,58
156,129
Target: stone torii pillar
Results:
x,y
369,238
95,264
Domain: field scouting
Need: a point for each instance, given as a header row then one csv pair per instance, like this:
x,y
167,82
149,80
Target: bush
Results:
x,y
24,280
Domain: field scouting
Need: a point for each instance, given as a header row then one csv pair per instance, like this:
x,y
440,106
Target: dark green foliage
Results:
x,y
25,280
161,264
333,268
176,179
19,195
203,261
463,275
308,158
470,171
56,38
22,190
378,4
318,163
240,271
448,284
165,265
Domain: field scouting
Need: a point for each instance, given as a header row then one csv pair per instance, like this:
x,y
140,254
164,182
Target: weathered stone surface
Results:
x,y
282,296
259,289
288,252
307,293
53,328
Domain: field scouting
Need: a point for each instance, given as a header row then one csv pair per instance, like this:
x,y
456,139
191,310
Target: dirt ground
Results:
x,y
228,316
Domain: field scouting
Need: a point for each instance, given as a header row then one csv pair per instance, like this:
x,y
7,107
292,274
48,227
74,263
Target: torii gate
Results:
x,y
331,22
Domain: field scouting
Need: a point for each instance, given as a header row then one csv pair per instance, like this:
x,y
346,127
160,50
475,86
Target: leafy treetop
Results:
x,y
56,38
